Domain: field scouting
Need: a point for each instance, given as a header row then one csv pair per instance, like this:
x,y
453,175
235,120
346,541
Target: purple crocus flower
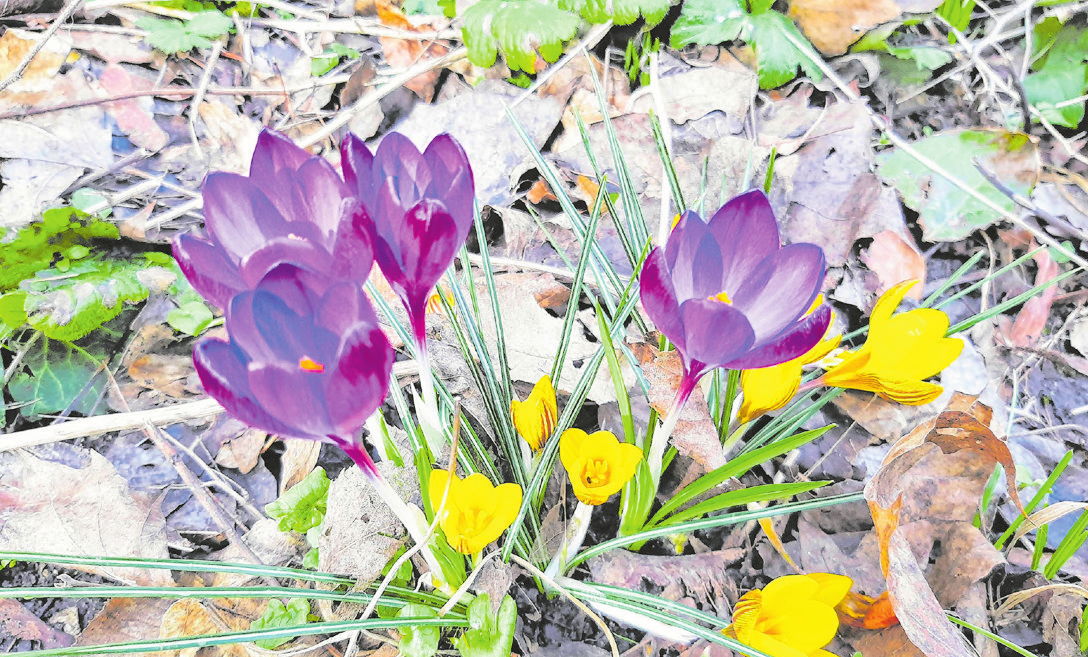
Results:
x,y
293,207
419,207
728,294
300,363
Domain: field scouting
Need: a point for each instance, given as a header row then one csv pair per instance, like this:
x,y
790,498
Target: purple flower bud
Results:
x,y
419,208
300,363
292,208
728,294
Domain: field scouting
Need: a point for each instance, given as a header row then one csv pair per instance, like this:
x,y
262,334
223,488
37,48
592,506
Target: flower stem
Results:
x,y
656,456
572,540
412,518
427,413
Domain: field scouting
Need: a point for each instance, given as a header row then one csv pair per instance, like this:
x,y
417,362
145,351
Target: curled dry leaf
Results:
x,y
1031,320
832,25
894,259
16,621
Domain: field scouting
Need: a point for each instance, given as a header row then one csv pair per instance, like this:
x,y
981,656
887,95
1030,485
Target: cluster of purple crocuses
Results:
x,y
286,253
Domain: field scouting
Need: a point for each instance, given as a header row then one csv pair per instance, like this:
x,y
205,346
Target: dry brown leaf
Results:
x,y
894,259
37,80
833,25
187,618
135,116
16,621
243,451
298,460
692,579
966,558
1061,620
1033,315
70,500
126,619
403,53
695,435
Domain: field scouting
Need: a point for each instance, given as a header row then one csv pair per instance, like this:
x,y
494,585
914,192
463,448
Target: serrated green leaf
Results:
x,y
708,22
489,636
90,293
278,615
416,641
778,58
209,24
948,213
191,318
303,506
1061,72
56,376
518,28
323,64
926,58
167,35
35,247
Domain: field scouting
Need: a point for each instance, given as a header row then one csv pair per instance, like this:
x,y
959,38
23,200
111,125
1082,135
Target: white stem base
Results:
x,y
572,540
416,524
656,456
376,435
427,413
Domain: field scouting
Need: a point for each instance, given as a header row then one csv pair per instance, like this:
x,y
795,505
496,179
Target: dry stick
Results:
x,y
883,125
65,14
91,426
201,90
344,116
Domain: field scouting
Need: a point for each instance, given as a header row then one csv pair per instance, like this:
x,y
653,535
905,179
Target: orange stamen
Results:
x,y
310,365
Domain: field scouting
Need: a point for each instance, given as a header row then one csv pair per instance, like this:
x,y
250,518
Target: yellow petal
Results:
x,y
570,448
746,614
821,350
888,302
833,588
437,486
910,393
772,646
535,418
780,595
474,491
507,502
809,625
768,388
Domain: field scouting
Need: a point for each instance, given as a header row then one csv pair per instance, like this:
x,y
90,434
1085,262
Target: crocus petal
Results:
x,y
238,215
275,155
808,625
294,397
781,289
306,255
508,498
772,646
400,163
570,447
889,301
358,384
660,300
798,339
451,179
535,418
768,388
208,269
747,232
832,588
320,194
714,332
780,595
224,376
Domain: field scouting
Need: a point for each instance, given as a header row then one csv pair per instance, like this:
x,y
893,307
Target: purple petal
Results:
x,y
353,250
357,162
225,377
429,241
360,381
451,179
781,289
343,307
659,298
715,332
685,236
400,163
747,232
275,154
303,254
294,397
208,269
321,196
238,215
792,343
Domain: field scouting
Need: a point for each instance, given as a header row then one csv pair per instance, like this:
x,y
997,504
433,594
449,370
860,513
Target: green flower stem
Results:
x,y
427,413
572,540
656,456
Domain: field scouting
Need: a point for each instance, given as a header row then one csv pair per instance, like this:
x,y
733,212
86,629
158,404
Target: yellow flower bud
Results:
x,y
598,464
476,512
535,418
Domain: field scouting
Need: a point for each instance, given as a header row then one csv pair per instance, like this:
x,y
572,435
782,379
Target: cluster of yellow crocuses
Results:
x,y
477,513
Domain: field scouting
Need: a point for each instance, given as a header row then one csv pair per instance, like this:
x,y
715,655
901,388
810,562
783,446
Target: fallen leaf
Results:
x,y
186,618
696,580
16,621
833,25
402,53
1033,315
298,460
37,80
695,435
125,619
70,500
135,116
243,451
894,259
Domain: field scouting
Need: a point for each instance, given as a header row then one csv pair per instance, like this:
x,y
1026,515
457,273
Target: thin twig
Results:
x,y
201,90
592,39
566,594
66,13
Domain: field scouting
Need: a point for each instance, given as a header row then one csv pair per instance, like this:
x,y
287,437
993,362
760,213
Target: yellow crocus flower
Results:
x,y
476,512
535,417
598,464
899,353
793,616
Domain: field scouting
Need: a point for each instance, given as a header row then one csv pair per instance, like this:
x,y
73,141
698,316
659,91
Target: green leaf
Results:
x,y
191,318
171,36
323,64
85,198
707,22
89,293
517,27
924,58
948,213
490,636
56,376
35,247
209,24
278,615
1061,73
303,506
418,641
763,493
